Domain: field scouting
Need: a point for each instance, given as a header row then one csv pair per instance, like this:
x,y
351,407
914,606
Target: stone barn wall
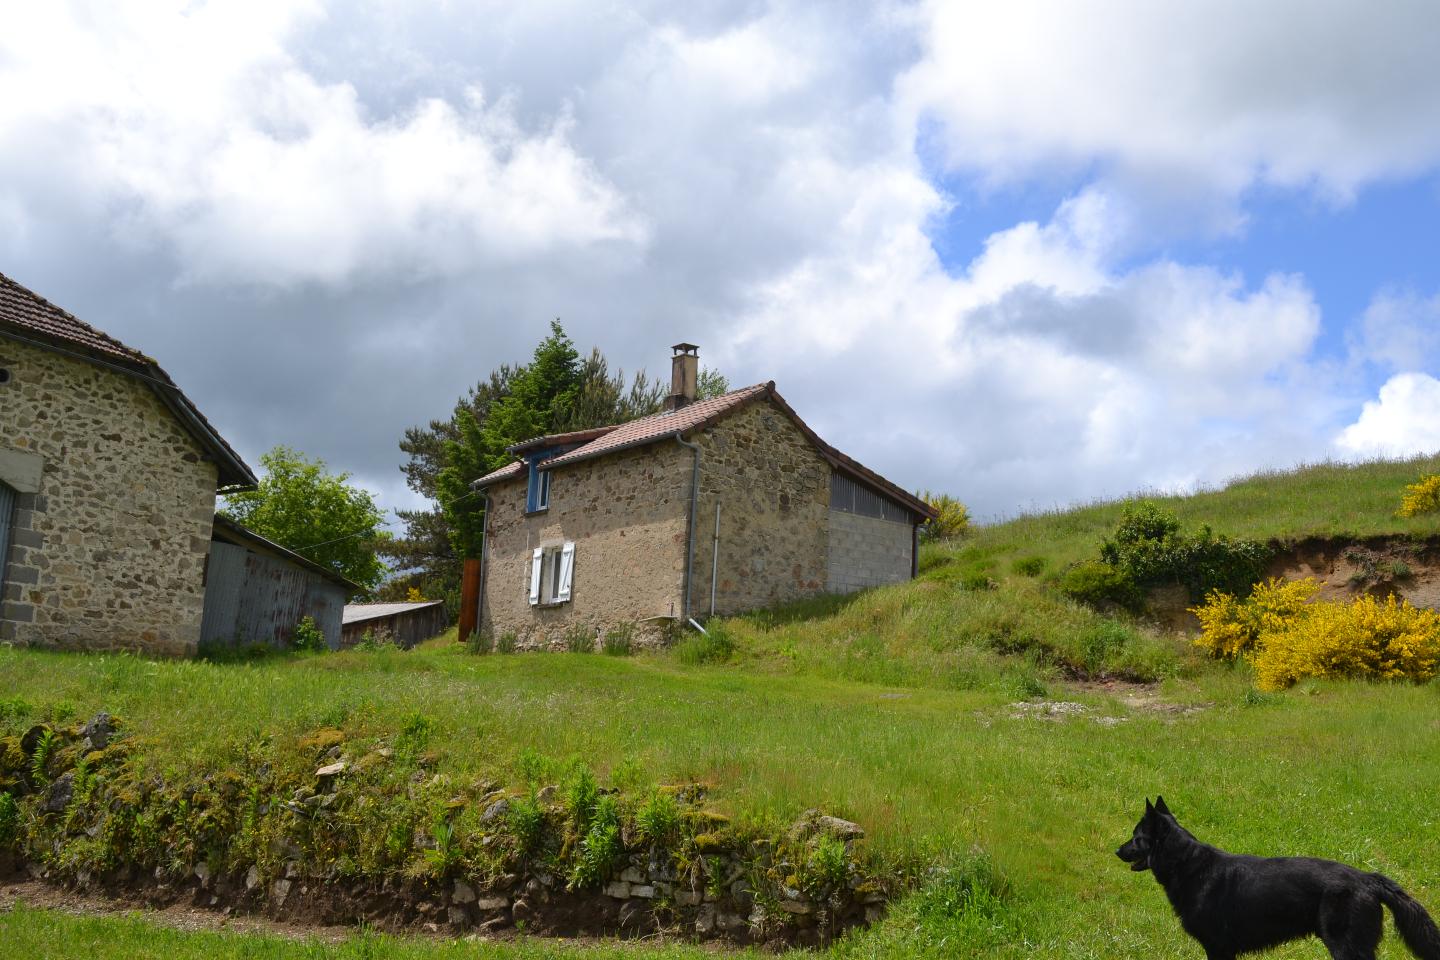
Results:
x,y
626,515
773,488
108,552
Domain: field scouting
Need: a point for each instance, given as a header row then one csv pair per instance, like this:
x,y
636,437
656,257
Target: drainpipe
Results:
x,y
484,549
715,558
690,526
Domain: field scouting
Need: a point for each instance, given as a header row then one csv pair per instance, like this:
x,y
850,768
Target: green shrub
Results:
x,y
1099,584
580,639
619,640
600,849
658,818
414,737
507,642
445,856
966,900
1149,549
1029,566
827,868
714,646
582,794
307,636
526,819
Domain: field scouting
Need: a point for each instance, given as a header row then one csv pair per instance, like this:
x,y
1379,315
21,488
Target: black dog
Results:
x,y
1236,904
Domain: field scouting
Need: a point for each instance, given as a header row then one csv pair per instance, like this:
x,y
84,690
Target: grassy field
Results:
x,y
895,709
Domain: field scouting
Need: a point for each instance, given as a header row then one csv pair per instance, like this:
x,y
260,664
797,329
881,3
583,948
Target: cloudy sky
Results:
x,y
1027,253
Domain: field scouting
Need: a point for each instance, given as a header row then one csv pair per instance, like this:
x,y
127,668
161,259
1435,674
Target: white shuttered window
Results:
x,y
567,572
535,566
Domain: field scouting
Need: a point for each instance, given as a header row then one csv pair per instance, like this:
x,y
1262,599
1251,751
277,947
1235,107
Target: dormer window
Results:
x,y
537,495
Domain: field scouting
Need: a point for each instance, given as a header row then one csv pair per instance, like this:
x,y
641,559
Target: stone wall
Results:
x,y
773,489
867,552
626,514
109,552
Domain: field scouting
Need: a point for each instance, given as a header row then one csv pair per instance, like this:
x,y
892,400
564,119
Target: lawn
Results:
x,y
895,709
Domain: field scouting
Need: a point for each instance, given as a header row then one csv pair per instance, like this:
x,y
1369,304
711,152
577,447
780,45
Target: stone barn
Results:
x,y
714,506
108,477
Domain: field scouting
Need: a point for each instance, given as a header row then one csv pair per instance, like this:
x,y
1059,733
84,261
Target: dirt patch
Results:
x,y
178,916
1140,697
1379,566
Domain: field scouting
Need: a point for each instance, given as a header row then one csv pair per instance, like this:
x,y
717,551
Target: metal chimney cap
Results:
x,y
685,348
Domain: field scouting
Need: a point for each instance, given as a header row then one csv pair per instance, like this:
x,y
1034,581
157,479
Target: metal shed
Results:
x,y
406,623
256,591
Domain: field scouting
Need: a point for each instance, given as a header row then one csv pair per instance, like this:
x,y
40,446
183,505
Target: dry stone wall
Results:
x,y
773,489
626,515
109,552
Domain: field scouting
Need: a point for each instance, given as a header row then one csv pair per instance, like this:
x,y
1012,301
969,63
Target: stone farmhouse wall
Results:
x,y
773,489
867,552
626,515
109,552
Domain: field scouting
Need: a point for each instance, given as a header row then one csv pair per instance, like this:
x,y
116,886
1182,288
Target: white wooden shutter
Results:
x,y
567,571
535,565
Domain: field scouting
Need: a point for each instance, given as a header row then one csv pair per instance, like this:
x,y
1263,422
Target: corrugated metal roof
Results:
x,y
29,317
357,612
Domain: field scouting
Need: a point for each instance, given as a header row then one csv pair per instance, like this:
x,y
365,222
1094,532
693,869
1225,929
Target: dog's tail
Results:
x,y
1416,928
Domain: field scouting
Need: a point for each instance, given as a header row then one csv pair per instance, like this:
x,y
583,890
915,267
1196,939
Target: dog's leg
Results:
x,y
1350,925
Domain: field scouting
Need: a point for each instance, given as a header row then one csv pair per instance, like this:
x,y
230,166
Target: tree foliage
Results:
x,y
319,515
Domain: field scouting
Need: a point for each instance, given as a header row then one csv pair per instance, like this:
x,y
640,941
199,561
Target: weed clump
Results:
x,y
619,640
714,646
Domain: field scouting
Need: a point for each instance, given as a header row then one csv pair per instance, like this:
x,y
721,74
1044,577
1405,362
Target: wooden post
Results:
x,y
470,599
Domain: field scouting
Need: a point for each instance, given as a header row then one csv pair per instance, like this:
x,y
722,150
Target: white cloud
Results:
x,y
1403,421
1209,96
1399,331
200,124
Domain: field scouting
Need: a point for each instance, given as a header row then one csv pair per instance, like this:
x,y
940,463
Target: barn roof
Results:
x,y
30,318
685,421
229,531
360,612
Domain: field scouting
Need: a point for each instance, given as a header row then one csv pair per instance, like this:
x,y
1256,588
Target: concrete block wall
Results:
x,y
867,552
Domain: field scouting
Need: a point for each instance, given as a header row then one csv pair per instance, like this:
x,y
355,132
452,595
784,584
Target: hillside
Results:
x,y
976,728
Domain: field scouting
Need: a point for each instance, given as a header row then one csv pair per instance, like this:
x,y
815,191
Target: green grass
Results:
x,y
891,708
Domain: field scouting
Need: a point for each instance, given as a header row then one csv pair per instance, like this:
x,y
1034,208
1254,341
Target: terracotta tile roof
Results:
x,y
688,419
508,472
27,316
26,309
661,426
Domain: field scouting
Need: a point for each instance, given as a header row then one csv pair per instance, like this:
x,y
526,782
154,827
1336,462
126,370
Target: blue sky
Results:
x,y
1026,253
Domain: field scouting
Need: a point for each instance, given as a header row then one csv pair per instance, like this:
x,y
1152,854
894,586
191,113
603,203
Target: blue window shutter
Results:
x,y
7,511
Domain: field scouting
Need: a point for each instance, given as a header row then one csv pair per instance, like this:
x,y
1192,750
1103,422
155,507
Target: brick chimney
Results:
x,y
684,374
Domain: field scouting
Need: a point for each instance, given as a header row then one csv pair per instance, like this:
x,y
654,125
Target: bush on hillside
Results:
x,y
1289,637
1150,550
1099,584
1420,498
953,520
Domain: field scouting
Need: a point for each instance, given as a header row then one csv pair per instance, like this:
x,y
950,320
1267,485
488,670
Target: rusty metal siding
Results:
x,y
250,598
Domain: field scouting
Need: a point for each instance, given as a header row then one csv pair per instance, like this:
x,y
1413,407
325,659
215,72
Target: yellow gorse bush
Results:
x,y
1422,497
1289,638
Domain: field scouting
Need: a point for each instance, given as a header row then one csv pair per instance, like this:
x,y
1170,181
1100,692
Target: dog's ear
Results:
x,y
1148,809
1160,806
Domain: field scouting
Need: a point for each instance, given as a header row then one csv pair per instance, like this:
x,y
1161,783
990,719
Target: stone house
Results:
x,y
714,506
108,477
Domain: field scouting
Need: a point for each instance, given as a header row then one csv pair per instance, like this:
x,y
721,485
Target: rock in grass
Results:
x,y
57,798
463,892
98,730
332,769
